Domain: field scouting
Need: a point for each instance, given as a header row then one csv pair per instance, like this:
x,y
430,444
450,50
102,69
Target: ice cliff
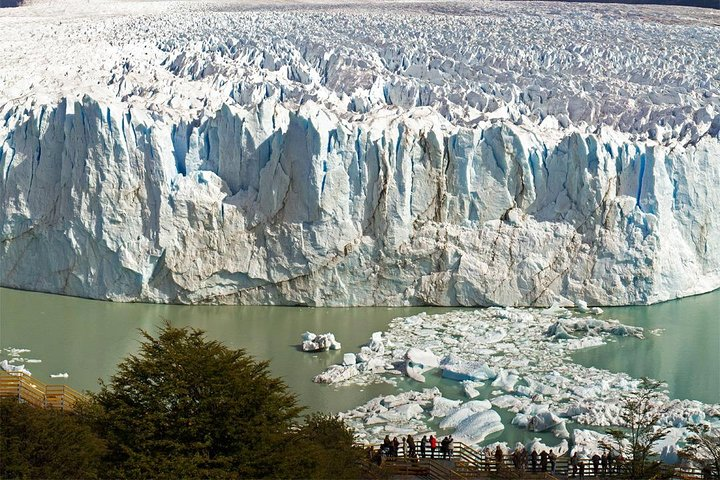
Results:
x,y
232,154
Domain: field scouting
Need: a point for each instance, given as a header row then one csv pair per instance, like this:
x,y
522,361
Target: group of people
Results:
x,y
428,447
607,463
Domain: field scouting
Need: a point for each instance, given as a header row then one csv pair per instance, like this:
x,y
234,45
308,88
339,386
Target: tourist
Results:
x,y
619,461
604,463
516,458
386,448
543,460
433,445
533,460
581,467
450,445
423,446
574,464
523,459
444,447
610,459
596,464
498,457
552,458
395,447
411,447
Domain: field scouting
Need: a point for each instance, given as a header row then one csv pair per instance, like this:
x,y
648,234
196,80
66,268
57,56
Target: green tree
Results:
x,y
187,407
323,447
641,415
38,443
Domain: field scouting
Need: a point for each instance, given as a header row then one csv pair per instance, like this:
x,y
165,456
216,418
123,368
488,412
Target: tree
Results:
x,y
38,443
187,407
324,448
703,448
641,415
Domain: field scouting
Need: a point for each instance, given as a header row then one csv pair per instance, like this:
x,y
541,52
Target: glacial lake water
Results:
x,y
87,339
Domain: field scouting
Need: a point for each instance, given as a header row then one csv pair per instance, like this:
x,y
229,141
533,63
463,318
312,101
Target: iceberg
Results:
x,y
477,427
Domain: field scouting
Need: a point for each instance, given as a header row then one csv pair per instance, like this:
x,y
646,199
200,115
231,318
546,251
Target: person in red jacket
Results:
x,y
433,445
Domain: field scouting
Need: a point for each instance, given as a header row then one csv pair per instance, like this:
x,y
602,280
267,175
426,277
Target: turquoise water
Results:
x,y
87,339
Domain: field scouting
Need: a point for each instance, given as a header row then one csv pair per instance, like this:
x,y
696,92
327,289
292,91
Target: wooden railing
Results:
x,y
29,390
468,462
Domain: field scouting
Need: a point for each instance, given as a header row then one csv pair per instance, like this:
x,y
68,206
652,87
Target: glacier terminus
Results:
x,y
384,153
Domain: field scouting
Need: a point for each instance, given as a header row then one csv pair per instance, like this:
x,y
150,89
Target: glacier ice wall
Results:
x,y
270,205
215,153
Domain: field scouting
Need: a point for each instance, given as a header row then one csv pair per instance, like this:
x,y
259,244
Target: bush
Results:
x,y
324,448
37,443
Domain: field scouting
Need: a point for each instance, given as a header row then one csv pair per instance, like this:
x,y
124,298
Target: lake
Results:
x,y
87,339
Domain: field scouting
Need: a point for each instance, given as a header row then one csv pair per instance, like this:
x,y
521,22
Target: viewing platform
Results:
x,y
27,389
469,463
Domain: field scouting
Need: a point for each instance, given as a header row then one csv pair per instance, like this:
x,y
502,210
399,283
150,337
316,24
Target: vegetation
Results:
x,y
184,407
641,414
703,448
36,443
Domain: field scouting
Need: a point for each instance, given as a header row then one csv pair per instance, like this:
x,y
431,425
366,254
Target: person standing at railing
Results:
x,y
433,445
395,447
498,457
596,464
411,447
444,448
423,446
552,458
543,460
574,464
450,446
604,463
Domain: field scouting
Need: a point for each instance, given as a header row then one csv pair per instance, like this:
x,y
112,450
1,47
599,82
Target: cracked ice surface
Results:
x,y
384,153
539,381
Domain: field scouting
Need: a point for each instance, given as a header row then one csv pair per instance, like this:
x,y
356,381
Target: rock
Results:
x,y
349,359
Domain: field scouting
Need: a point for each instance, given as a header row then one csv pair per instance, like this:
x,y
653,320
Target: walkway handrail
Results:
x,y
29,390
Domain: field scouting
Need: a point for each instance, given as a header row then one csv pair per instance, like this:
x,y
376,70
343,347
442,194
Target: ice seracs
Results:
x,y
228,152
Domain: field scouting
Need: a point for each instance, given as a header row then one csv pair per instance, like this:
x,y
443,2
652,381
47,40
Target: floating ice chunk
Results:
x,y
521,420
424,359
319,343
464,411
376,344
456,368
349,359
582,306
505,380
5,365
510,402
556,310
415,372
478,426
560,430
443,406
403,412
59,375
337,373
543,421
470,389
33,360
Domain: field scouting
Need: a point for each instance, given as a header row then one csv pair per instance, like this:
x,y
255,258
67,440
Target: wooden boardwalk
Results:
x,y
469,463
27,389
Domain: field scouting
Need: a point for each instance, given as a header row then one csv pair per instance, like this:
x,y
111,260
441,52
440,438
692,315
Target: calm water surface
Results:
x,y
88,338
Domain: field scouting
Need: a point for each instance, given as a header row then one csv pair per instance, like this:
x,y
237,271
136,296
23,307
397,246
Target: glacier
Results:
x,y
389,154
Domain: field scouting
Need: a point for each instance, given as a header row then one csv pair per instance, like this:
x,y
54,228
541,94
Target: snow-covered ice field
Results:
x,y
374,153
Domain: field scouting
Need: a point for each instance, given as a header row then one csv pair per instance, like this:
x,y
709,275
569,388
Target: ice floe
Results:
x,y
528,363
